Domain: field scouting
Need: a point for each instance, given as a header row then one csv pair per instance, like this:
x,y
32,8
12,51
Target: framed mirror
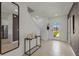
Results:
x,y
9,26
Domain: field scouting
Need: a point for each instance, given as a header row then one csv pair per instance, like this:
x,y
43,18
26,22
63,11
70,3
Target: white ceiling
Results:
x,y
50,9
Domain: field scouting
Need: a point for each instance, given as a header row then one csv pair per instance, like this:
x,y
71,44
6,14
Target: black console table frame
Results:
x,y
28,52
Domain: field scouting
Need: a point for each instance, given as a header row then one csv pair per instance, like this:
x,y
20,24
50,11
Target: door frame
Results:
x,y
69,30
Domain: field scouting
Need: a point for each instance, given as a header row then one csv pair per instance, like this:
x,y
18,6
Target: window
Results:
x,y
55,29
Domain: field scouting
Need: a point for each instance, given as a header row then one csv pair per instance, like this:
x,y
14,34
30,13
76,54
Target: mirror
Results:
x,y
9,27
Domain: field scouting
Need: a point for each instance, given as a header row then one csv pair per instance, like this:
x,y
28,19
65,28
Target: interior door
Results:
x,y
15,27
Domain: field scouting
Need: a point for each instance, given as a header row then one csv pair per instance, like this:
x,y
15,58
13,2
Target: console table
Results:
x,y
36,47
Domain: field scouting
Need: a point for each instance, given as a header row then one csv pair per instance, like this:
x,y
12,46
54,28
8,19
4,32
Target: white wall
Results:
x,y
26,26
41,23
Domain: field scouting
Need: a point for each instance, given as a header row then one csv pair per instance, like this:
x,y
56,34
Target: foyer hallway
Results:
x,y
54,48
53,27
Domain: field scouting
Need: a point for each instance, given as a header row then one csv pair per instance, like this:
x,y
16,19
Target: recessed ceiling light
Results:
x,y
56,15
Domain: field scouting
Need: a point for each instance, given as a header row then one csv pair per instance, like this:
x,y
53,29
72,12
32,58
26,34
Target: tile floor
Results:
x,y
54,48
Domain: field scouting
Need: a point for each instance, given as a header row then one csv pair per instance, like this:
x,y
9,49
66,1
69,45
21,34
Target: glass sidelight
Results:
x,y
9,27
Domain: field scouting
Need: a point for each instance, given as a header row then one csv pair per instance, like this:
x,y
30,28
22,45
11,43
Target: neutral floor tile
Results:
x,y
54,48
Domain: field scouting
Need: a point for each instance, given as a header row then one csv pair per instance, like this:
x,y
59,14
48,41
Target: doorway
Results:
x,y
15,27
